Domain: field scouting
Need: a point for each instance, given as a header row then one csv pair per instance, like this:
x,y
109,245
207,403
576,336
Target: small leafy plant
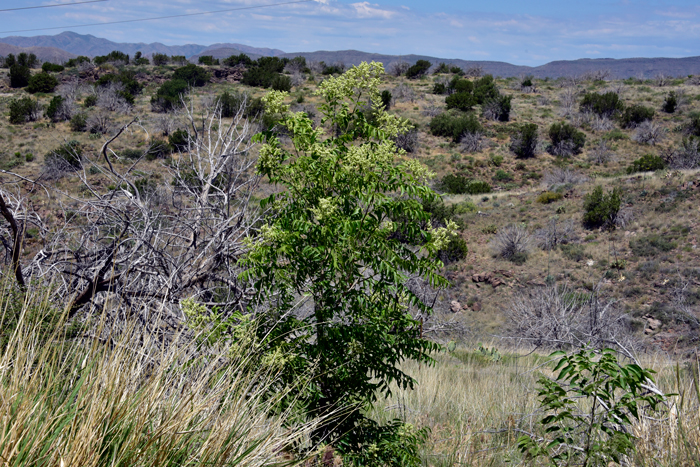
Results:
x,y
590,407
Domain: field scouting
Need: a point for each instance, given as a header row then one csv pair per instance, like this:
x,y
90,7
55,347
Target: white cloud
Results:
x,y
367,10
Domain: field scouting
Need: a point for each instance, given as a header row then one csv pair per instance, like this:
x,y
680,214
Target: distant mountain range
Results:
x,y
61,47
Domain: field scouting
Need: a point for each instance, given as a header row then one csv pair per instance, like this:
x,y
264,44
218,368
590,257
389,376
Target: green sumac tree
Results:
x,y
330,243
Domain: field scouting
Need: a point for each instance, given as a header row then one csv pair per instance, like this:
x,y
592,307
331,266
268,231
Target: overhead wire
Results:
x,y
160,17
52,6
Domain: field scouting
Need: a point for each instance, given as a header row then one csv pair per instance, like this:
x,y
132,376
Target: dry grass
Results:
x,y
86,402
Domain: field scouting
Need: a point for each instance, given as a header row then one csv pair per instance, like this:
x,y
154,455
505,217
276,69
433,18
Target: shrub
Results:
x,y
159,59
454,125
68,156
179,140
231,102
455,250
24,110
41,82
47,67
503,176
127,78
459,184
208,60
241,59
420,68
634,115
600,209
79,60
191,74
59,109
458,84
524,142
139,59
386,99
485,89
158,149
497,108
407,140
439,88
169,95
573,252
78,122
19,76
604,105
113,56
281,83
652,245
646,163
512,243
566,140
549,197
463,101
648,132
670,103
693,127
90,101
687,155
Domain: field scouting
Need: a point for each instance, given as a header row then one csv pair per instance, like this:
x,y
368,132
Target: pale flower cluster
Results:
x,y
440,237
326,208
274,102
365,78
366,157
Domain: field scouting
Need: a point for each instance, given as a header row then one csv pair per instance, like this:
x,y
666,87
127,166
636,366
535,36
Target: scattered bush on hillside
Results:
x,y
524,143
208,60
19,76
264,72
601,208
179,140
281,83
79,60
635,115
48,67
403,93
670,103
159,59
398,68
90,101
693,126
512,243
459,184
558,177
604,105
158,149
471,142
99,123
114,56
463,101
139,59
78,122
566,140
556,233
24,110
407,140
648,132
601,153
193,75
497,109
233,102
549,197
59,109
66,158
113,97
652,245
169,95
420,68
41,82
336,68
687,155
128,80
454,125
386,99
646,163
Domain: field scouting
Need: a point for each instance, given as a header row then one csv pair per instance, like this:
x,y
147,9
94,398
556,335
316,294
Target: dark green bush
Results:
x,y
55,109
281,83
179,140
168,95
463,101
454,125
502,176
485,89
192,74
524,142
605,105
652,245
670,103
25,59
90,101
73,62
23,110
458,84
127,79
264,72
158,149
420,68
573,251
47,67
386,99
41,82
600,208
231,102
78,122
139,59
241,59
208,60
19,76
566,139
634,115
439,88
70,152
459,184
646,163
694,125
159,59
113,56
549,197
497,108
455,250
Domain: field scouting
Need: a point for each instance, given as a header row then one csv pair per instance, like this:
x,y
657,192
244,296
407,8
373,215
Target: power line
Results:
x,y
52,6
159,17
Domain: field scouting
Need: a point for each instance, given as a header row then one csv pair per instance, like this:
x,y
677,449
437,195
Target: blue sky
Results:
x,y
527,33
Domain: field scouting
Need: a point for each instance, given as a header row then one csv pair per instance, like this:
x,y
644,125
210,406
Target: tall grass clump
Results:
x,y
95,398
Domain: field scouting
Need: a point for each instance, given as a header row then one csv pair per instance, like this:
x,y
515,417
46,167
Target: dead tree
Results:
x,y
152,244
